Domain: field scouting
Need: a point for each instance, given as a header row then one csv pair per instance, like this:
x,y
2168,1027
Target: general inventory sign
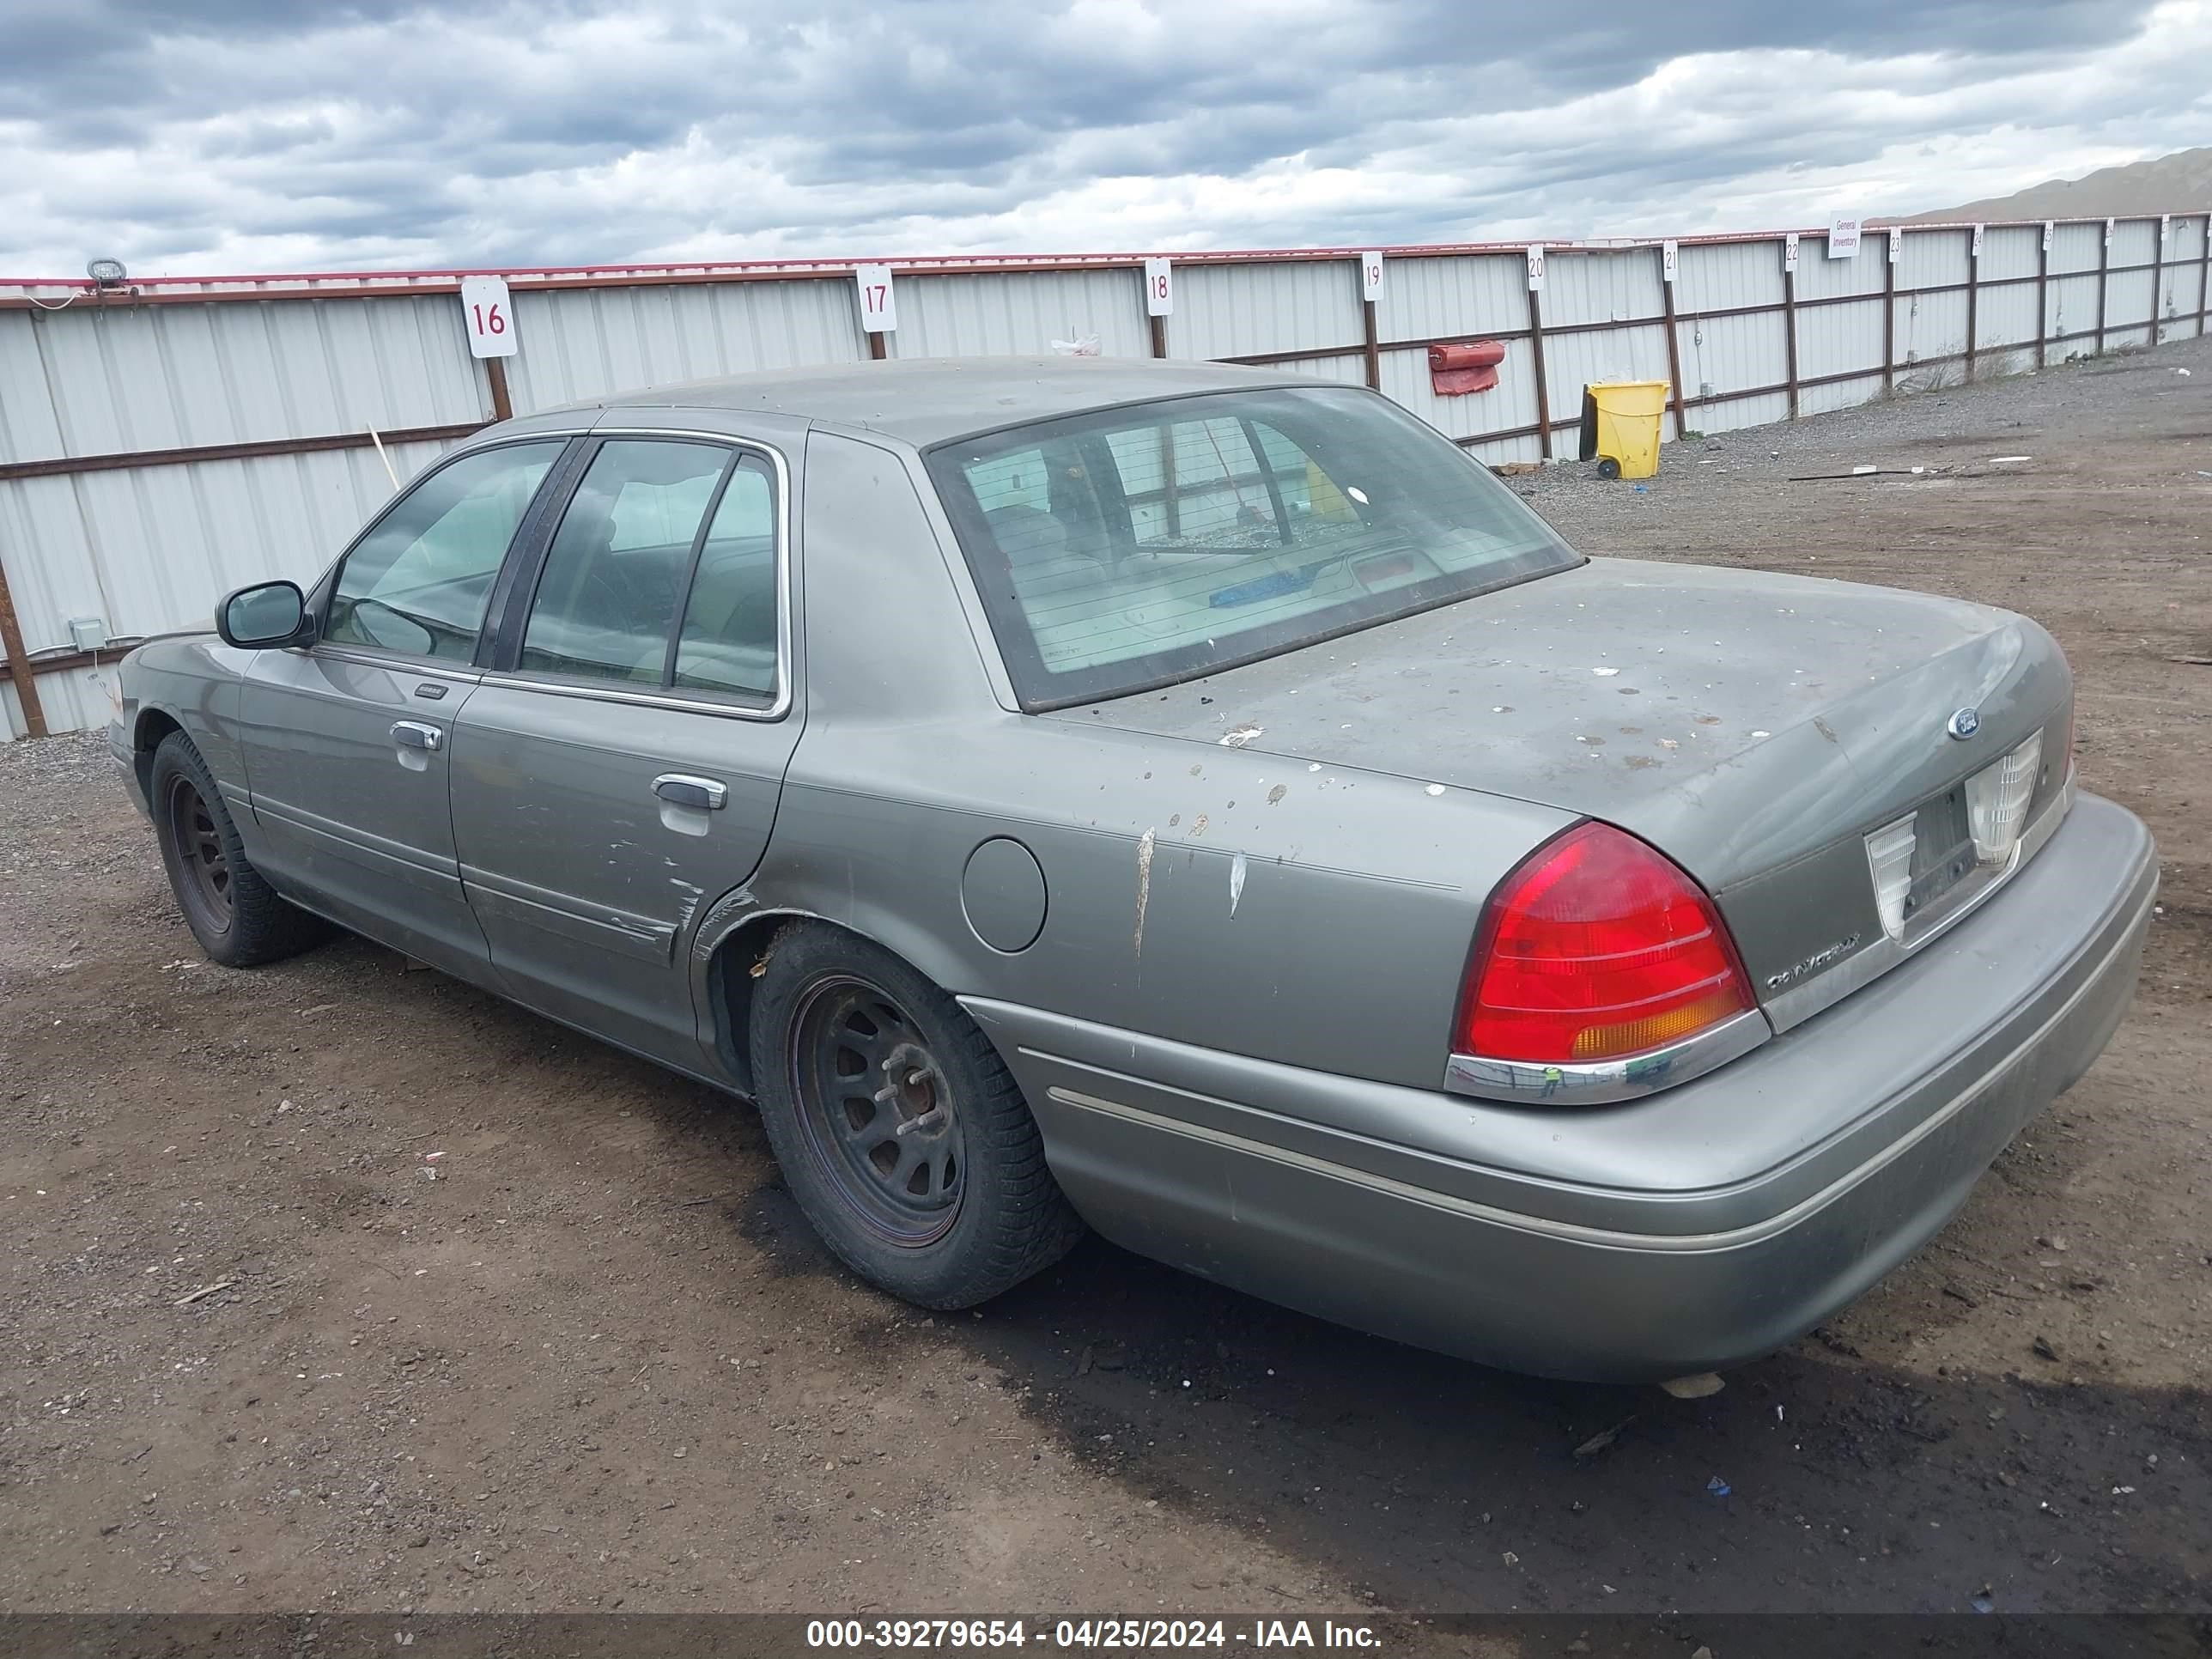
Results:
x,y
1843,237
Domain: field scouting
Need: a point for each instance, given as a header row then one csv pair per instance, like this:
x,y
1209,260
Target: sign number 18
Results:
x,y
1159,288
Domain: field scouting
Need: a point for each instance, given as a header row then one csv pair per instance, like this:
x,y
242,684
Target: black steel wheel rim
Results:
x,y
876,1110
206,885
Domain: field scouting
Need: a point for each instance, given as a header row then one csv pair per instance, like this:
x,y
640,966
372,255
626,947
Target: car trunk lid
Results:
x,y
1754,728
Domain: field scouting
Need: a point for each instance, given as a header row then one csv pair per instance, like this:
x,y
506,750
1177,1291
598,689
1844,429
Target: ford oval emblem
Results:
x,y
1964,723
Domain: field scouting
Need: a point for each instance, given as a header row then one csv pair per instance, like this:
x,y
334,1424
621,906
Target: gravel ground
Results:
x,y
502,1319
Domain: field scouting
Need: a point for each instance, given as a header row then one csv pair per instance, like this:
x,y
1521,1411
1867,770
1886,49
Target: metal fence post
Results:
x,y
2204,279
502,405
1888,318
2157,274
19,662
1543,391
1973,291
1374,344
2043,240
1673,344
1790,321
2103,278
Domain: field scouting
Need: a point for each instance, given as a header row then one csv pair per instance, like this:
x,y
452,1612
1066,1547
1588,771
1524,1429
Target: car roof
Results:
x,y
927,400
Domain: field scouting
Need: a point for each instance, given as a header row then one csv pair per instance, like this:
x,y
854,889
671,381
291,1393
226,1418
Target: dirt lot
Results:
x,y
509,1320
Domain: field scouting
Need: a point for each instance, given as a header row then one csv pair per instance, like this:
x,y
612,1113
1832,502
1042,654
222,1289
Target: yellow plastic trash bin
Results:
x,y
1621,426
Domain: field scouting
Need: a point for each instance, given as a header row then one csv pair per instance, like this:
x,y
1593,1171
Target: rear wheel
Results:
x,y
237,917
1608,468
900,1132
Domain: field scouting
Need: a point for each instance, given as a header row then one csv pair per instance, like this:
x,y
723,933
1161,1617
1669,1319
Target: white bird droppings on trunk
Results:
x,y
1236,882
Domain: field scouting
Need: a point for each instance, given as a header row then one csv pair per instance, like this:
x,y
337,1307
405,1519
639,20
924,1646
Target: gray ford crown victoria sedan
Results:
x,y
1198,804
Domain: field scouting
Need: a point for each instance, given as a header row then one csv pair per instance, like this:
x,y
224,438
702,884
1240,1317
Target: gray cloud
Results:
x,y
264,133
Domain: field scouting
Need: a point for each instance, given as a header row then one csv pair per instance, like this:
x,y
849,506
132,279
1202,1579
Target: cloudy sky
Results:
x,y
291,135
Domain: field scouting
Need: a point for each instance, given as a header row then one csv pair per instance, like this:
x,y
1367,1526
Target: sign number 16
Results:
x,y
488,313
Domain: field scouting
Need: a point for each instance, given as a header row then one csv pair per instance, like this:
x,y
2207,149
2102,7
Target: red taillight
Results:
x,y
1596,948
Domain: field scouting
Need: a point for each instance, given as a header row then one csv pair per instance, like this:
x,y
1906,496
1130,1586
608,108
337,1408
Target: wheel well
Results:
x,y
730,974
154,727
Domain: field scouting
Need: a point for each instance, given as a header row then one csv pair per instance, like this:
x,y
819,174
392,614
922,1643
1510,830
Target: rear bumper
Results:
x,y
1692,1230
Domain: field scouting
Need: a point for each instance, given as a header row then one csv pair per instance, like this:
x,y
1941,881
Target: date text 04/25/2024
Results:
x,y
1087,1633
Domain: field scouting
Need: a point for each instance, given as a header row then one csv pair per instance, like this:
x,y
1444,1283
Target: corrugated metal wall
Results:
x,y
147,546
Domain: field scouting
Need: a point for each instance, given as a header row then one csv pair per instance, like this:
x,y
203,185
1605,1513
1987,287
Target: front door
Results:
x,y
618,770
348,742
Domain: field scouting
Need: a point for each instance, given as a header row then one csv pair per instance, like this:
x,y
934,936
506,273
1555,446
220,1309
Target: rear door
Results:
x,y
347,742
618,769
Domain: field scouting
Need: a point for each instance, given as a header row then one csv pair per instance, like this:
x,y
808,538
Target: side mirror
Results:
x,y
264,615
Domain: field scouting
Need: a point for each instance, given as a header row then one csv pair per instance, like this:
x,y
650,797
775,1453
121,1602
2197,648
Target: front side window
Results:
x,y
1133,547
663,573
418,582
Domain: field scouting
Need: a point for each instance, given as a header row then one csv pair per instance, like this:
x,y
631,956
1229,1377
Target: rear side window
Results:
x,y
662,573
728,642
615,576
418,581
1135,546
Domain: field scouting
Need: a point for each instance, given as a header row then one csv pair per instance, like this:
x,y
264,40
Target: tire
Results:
x,y
946,1212
235,915
1608,468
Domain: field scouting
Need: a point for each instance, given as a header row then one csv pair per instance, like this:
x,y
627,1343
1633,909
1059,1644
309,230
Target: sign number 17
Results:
x,y
878,309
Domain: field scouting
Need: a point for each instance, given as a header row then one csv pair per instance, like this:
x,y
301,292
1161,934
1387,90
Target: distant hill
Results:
x,y
2179,183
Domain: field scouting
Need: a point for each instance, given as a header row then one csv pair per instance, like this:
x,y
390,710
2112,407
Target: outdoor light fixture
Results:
x,y
107,273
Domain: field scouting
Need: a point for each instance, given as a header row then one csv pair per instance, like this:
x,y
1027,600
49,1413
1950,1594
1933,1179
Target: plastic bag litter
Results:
x,y
1083,346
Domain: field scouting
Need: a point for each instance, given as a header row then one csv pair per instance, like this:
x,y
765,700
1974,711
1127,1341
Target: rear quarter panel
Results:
x,y
1227,897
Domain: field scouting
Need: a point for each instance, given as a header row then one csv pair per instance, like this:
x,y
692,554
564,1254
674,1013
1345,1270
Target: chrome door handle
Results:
x,y
414,734
680,789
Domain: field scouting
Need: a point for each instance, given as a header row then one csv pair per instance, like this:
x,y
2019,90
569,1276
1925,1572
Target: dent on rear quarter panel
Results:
x,y
1355,896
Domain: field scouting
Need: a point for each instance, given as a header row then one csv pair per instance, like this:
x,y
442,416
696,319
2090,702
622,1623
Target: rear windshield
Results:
x,y
1133,547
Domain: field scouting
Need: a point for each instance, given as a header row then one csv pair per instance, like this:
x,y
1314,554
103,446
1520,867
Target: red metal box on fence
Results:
x,y
1456,370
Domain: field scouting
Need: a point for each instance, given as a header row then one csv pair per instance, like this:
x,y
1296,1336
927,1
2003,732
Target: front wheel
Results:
x,y
900,1132
238,918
